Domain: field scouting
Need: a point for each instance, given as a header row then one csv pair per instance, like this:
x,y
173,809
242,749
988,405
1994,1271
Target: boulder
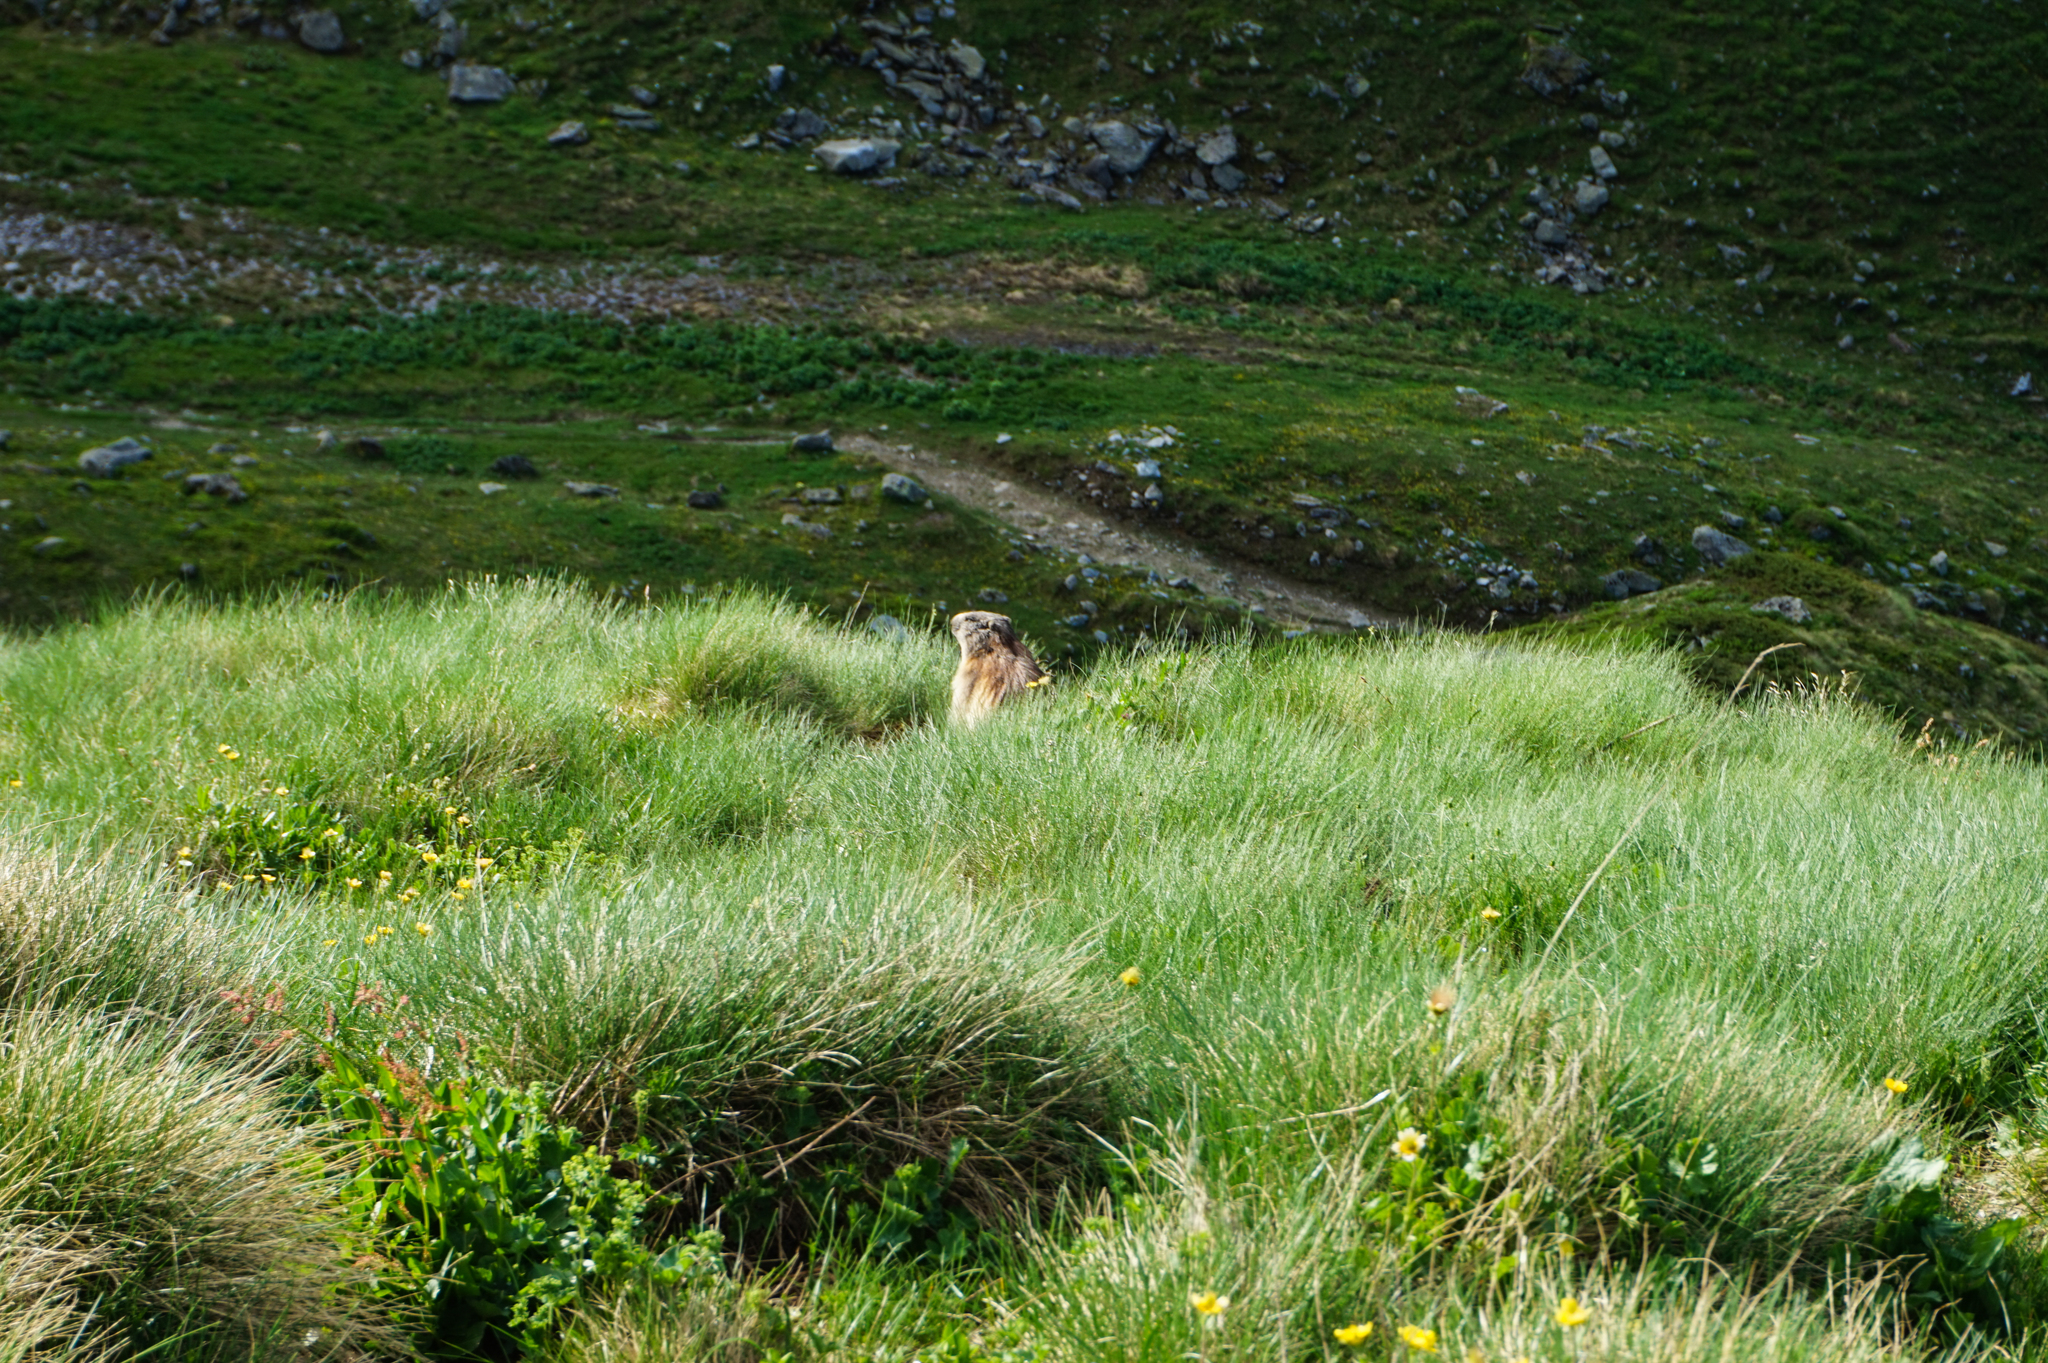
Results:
x,y
814,442
1603,164
966,60
1788,608
856,155
515,466
898,488
469,84
569,134
448,42
801,124
1127,149
320,30
1716,546
1551,233
1623,583
1052,194
105,461
1589,197
1229,179
704,499
1553,69
1218,147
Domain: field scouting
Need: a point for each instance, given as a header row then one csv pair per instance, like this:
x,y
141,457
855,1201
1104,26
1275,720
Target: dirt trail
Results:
x,y
1069,528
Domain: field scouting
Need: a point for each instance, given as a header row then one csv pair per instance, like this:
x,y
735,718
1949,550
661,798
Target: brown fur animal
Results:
x,y
993,665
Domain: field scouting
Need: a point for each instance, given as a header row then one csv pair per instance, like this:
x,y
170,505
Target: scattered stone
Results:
x,y
801,125
222,485
1774,516
189,571
968,61
856,155
105,461
1554,69
325,443
704,499
1603,164
478,84
245,461
515,466
490,489
1926,600
1217,148
572,133
778,76
643,96
1229,179
633,118
816,442
412,59
1551,233
1847,342
1057,197
890,628
366,447
821,496
1076,621
2023,386
320,30
1474,403
1589,197
590,489
49,546
1623,583
898,488
1733,521
1717,547
1789,608
1939,563
989,596
1994,549
798,523
1148,468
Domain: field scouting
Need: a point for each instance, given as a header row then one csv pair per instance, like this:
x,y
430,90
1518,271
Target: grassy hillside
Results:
x,y
1421,984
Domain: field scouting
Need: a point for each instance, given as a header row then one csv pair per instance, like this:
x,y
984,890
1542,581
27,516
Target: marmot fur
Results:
x,y
993,665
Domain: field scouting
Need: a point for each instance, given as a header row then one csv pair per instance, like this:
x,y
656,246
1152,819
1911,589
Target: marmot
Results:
x,y
993,665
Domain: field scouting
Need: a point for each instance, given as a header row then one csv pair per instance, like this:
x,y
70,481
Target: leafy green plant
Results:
x,y
494,1220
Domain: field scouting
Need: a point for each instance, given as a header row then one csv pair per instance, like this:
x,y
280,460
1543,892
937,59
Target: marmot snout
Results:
x,y
993,665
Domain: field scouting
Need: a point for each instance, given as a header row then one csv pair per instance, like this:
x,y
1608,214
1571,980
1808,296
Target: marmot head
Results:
x,y
984,632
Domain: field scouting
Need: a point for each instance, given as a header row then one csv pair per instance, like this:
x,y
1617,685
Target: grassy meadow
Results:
x,y
503,973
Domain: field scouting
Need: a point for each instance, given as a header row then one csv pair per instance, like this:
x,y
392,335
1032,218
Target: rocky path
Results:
x,y
1069,529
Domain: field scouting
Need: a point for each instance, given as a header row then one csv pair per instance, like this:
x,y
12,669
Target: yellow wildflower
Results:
x,y
282,791
1421,1340
1895,1085
431,858
1475,1354
184,851
458,896
463,884
370,940
1409,1144
421,928
1131,976
409,894
15,783
1570,1313
224,748
449,810
1208,1303
354,884
247,879
1354,1334
305,854
384,931
462,819
1489,913
1566,1248
269,879
332,941
383,875
484,863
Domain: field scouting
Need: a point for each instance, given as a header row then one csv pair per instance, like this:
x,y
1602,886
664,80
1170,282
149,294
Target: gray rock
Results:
x,y
890,628
1926,600
801,124
412,59
802,526
1716,546
966,60
1589,198
1733,521
704,499
1648,549
1148,468
478,84
46,547
490,489
643,96
1356,86
1229,179
898,488
223,485
2023,386
1790,608
1218,147
1995,549
245,461
6,439
590,489
1623,583
1058,197
515,466
1603,164
1551,233
1847,342
815,442
1554,69
856,155
320,30
778,76
1071,621
426,9
105,461
821,496
989,596
569,134
448,42
1613,141
1774,516
1939,563
1127,149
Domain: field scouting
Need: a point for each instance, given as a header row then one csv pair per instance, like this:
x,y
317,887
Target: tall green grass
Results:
x,y
838,980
